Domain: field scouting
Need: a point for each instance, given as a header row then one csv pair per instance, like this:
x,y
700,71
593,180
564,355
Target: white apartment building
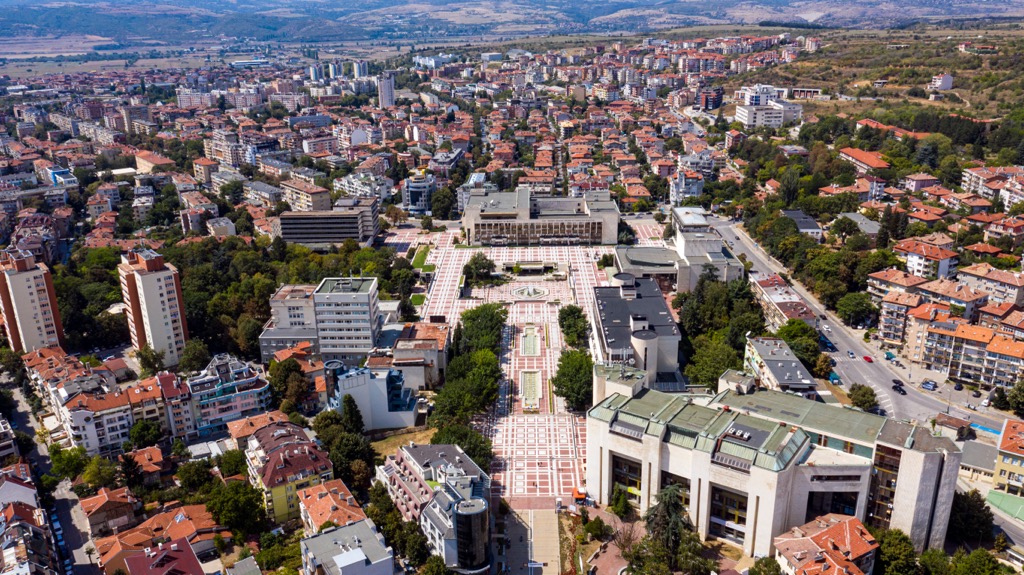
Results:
x,y
98,421
386,90
292,320
381,394
752,466
156,313
417,191
759,94
1002,286
348,318
305,197
685,184
28,303
926,260
365,185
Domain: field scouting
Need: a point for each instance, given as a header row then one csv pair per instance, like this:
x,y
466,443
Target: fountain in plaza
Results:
x,y
529,292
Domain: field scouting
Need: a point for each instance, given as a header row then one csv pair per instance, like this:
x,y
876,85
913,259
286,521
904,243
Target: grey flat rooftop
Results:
x,y
646,260
803,221
345,544
345,285
856,425
869,227
979,456
615,312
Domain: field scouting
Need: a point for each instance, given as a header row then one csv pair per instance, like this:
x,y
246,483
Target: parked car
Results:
x,y
823,316
868,359
975,393
987,402
958,386
929,385
971,406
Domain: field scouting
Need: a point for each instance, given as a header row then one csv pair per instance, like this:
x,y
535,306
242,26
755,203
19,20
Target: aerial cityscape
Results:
x,y
536,289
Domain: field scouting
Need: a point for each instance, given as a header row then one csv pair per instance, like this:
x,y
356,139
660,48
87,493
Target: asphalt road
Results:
x,y
917,405
72,519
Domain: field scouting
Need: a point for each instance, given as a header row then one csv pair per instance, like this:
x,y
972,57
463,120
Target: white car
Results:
x,y
987,402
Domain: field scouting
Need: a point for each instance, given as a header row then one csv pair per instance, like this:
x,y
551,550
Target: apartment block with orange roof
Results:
x,y
884,282
151,289
1002,286
959,296
1009,471
330,501
918,321
926,260
892,317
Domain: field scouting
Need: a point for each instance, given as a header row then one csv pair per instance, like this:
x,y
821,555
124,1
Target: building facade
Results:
x,y
151,290
753,465
28,303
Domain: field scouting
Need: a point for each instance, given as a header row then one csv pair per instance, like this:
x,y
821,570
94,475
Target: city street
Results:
x,y
918,405
72,519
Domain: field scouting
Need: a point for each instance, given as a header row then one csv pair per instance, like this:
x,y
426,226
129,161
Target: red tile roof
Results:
x,y
329,501
1012,438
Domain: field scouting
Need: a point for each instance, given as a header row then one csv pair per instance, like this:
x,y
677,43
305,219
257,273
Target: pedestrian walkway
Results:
x,y
545,544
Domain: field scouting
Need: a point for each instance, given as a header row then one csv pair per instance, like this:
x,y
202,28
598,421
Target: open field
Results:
x,y
388,445
19,70
47,46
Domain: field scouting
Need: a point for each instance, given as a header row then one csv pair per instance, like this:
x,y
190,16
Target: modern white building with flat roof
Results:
x,y
348,318
751,466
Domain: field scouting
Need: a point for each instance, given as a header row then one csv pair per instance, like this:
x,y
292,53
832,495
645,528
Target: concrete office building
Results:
x,y
516,218
151,290
752,466
347,317
680,269
28,303
351,219
633,326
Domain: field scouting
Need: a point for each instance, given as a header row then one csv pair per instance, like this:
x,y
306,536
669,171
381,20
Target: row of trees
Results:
x,y
471,385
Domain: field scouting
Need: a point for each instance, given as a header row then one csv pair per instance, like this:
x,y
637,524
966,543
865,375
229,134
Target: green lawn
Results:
x,y
418,299
421,257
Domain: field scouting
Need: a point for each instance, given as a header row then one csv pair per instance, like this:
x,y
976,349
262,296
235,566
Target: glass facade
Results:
x,y
883,486
626,474
671,479
728,514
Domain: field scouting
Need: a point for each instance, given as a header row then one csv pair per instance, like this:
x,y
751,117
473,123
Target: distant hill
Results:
x,y
295,20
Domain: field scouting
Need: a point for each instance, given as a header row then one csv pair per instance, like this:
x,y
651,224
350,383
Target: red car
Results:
x,y
868,359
